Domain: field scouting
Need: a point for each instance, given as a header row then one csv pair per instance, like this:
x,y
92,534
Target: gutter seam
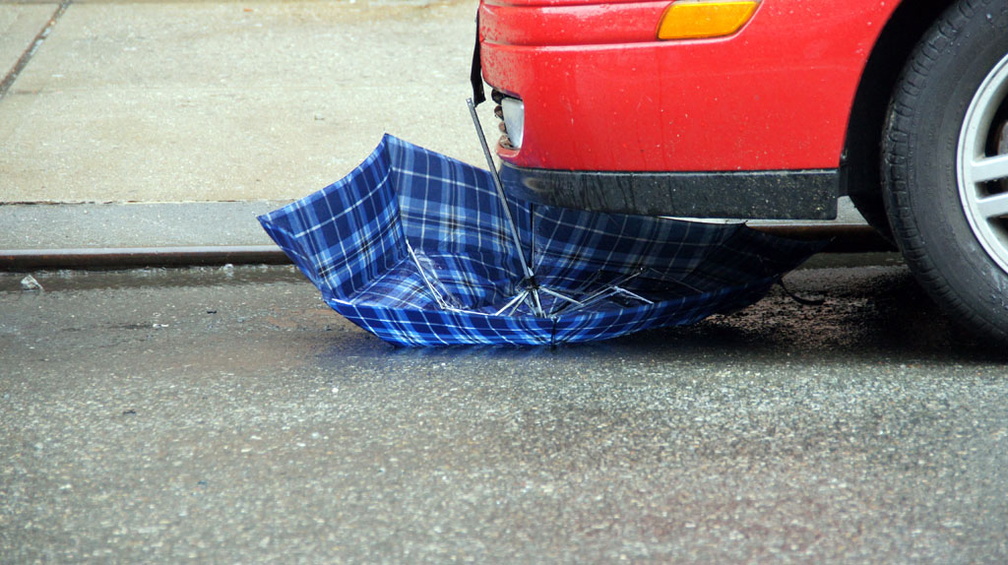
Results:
x,y
122,257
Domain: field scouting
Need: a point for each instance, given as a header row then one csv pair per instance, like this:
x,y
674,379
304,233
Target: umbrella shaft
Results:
x,y
527,270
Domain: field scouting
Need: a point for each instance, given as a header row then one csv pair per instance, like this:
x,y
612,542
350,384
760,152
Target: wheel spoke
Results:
x,y
993,206
990,168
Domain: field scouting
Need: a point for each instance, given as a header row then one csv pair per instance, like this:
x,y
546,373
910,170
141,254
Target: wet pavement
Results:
x,y
226,415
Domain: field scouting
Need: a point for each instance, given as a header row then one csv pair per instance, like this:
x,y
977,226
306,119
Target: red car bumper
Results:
x,y
602,94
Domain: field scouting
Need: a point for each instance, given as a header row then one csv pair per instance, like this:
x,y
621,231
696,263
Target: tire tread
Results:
x,y
897,153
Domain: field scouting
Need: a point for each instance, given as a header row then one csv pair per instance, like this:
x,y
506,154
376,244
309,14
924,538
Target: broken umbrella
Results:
x,y
421,250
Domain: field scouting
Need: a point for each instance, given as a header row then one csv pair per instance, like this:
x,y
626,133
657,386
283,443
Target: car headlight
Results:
x,y
513,114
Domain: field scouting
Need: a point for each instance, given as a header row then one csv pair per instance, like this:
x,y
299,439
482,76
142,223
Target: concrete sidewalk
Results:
x,y
222,101
148,111
134,116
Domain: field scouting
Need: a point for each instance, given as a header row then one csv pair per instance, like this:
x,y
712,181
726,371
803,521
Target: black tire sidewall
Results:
x,y
922,138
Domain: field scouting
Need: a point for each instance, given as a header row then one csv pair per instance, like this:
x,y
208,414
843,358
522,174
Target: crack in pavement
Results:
x,y
33,47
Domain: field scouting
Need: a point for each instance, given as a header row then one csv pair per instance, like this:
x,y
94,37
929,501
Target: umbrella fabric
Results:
x,y
415,247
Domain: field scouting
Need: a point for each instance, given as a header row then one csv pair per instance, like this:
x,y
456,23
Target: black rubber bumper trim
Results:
x,y
784,195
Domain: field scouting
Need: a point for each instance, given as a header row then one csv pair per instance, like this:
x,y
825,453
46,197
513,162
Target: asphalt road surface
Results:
x,y
226,415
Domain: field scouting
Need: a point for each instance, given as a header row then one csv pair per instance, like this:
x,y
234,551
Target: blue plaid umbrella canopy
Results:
x,y
418,249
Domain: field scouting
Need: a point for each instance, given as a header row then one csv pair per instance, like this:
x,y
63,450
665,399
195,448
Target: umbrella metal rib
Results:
x,y
438,297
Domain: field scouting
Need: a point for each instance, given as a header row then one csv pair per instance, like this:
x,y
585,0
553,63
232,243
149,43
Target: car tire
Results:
x,y
947,122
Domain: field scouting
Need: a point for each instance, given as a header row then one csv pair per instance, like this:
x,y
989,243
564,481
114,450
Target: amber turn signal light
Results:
x,y
697,20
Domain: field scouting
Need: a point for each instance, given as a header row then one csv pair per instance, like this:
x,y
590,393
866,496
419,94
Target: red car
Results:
x,y
770,109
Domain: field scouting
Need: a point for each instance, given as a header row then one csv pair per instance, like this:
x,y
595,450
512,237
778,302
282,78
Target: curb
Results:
x,y
115,258
844,239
